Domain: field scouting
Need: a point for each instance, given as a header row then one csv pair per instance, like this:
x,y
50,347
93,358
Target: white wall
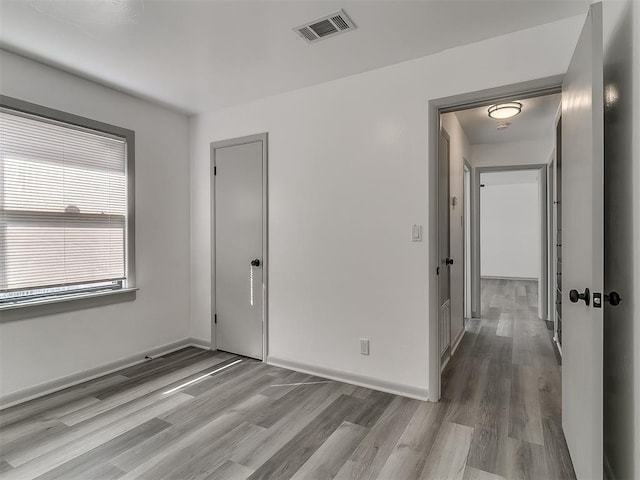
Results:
x,y
509,230
43,349
459,149
513,153
347,179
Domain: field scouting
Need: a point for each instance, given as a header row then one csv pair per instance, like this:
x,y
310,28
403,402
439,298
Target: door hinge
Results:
x,y
215,318
215,170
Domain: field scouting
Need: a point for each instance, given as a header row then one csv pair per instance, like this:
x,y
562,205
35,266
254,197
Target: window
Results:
x,y
66,191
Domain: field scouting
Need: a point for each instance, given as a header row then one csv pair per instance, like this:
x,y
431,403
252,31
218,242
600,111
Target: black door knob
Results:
x,y
448,261
613,298
255,262
574,296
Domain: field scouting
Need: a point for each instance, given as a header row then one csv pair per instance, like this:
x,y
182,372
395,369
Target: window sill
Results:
x,y
52,305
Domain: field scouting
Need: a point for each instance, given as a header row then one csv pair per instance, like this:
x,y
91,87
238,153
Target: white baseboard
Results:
x,y
457,341
46,388
197,342
417,393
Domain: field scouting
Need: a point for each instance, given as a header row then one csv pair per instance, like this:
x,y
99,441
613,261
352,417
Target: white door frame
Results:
x,y
436,107
264,138
467,233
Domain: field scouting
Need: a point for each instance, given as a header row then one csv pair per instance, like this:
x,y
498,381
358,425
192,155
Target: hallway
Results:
x,y
504,381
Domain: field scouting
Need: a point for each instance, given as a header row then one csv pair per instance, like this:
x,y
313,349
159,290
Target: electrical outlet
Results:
x,y
364,346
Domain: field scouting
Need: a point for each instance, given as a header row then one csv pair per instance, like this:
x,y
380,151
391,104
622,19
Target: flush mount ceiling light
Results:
x,y
505,110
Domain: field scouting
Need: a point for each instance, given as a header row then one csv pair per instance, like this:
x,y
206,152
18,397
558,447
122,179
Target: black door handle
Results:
x,y
574,296
255,262
448,261
613,298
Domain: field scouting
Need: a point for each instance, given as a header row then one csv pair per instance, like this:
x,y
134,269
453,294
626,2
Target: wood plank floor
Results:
x,y
499,416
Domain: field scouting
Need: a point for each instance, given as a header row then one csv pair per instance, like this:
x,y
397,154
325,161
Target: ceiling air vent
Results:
x,y
325,27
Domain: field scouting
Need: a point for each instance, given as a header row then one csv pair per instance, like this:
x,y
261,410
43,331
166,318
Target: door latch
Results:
x,y
597,300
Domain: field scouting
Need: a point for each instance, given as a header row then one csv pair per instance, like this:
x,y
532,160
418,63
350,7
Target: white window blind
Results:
x,y
63,204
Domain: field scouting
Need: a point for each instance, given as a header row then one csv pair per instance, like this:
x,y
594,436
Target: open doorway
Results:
x,y
514,234
497,228
499,202
506,386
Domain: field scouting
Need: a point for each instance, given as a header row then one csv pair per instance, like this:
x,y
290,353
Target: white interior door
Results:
x,y
239,299
444,235
582,250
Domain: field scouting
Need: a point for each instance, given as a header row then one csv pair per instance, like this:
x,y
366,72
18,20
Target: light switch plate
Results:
x,y
416,233
364,346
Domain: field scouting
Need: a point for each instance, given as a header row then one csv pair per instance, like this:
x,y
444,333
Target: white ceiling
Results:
x,y
535,121
510,177
199,55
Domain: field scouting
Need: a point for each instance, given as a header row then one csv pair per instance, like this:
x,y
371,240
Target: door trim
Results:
x,y
232,142
436,107
467,259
